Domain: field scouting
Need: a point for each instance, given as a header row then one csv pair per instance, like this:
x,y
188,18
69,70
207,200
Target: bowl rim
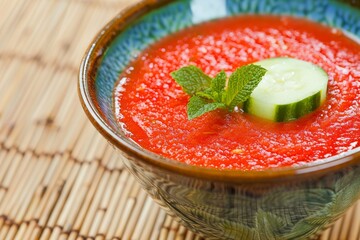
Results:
x,y
87,73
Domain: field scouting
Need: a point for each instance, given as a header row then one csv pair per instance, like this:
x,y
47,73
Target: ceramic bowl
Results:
x,y
284,203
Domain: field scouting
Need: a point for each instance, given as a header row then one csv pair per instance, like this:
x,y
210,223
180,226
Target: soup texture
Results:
x,y
151,106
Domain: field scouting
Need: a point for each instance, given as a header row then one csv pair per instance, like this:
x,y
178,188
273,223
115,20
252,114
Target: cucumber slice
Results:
x,y
291,88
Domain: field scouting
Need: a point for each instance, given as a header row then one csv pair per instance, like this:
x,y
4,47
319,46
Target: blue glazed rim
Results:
x,y
109,54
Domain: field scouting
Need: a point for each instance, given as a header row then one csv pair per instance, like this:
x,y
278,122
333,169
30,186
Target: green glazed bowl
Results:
x,y
283,203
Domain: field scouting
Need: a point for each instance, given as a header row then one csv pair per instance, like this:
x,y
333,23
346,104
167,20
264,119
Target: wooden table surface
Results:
x,y
58,177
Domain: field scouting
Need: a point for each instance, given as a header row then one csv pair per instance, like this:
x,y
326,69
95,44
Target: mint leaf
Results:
x,y
197,106
208,94
219,82
242,83
192,79
218,86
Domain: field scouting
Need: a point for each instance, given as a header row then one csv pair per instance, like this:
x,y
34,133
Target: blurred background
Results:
x,y
58,177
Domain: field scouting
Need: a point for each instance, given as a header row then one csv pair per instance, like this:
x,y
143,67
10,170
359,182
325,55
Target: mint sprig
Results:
x,y
208,94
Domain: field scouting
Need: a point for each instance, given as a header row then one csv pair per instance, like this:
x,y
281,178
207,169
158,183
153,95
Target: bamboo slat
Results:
x,y
59,179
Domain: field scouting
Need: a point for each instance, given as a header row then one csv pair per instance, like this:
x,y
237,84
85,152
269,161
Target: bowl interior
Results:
x,y
149,21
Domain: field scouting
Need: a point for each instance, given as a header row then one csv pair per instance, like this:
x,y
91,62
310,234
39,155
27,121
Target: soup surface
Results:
x,y
151,107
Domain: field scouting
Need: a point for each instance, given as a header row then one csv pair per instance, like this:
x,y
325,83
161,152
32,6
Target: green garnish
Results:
x,y
208,94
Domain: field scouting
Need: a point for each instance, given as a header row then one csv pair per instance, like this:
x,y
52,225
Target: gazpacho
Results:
x,y
152,107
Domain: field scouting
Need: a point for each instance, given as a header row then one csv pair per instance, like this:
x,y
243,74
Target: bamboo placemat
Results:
x,y
58,177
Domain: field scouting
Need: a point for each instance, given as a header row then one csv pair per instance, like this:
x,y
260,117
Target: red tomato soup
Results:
x,y
151,106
